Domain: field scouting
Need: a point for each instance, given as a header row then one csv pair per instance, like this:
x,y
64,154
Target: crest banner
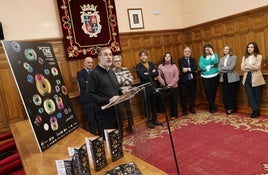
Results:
x,y
88,25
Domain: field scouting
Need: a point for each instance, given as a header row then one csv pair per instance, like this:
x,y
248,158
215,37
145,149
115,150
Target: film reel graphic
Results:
x,y
42,85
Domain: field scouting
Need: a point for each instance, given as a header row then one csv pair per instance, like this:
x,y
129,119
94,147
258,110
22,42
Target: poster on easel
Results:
x,y
42,90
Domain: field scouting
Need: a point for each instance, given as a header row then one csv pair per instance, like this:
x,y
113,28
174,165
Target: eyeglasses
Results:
x,y
117,61
107,54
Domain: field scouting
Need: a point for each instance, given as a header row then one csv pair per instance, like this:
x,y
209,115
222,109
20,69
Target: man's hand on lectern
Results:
x,y
114,98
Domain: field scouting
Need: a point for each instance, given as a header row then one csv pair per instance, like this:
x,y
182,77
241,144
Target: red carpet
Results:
x,y
206,144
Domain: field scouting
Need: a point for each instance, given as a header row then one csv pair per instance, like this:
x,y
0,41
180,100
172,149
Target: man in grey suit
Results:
x,y
229,79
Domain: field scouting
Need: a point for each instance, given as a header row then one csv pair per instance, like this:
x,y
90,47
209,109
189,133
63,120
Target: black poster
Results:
x,y
43,92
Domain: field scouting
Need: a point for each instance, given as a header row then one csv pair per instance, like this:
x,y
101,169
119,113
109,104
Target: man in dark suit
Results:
x,y
89,106
188,68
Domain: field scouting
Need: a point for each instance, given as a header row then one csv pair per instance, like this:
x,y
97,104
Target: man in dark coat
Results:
x,y
89,106
103,88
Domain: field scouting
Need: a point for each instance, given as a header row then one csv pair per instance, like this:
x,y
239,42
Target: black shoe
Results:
x,y
255,114
192,111
212,111
156,122
150,125
184,113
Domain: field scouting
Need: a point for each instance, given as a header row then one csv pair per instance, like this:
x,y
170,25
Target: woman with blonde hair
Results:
x,y
229,79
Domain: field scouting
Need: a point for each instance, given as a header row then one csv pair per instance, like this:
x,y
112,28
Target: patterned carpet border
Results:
x,y
238,121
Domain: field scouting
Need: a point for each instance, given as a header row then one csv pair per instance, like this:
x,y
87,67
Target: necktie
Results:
x,y
190,75
88,71
188,61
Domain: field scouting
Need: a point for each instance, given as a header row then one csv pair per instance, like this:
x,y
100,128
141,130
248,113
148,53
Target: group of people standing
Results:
x,y
105,83
223,70
170,77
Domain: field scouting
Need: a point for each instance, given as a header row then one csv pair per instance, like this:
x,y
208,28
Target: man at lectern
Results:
x,y
103,88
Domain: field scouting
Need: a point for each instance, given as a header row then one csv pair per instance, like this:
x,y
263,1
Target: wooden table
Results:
x,y
43,163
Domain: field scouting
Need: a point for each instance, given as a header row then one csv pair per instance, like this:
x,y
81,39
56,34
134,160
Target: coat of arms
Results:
x,y
90,19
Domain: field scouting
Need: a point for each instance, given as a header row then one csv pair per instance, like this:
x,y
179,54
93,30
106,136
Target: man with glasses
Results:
x,y
103,88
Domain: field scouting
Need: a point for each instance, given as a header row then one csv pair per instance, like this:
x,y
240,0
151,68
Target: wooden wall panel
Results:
x,y
242,99
218,30
243,24
196,35
206,33
264,99
230,40
229,27
236,31
219,45
157,43
258,21
259,37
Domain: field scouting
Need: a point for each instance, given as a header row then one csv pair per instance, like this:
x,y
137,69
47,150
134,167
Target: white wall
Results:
x,y
29,19
39,19
199,11
168,18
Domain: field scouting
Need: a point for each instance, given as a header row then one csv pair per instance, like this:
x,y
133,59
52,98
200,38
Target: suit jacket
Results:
x,y
82,78
229,69
184,63
146,75
254,68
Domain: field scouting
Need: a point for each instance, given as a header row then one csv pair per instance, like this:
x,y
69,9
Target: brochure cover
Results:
x,y
96,152
78,164
114,144
42,90
125,169
80,161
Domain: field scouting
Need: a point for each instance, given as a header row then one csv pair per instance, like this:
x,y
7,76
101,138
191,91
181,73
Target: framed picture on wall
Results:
x,y
135,18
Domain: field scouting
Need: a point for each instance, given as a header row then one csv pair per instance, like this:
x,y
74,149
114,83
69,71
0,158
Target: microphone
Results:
x,y
155,88
158,90
153,83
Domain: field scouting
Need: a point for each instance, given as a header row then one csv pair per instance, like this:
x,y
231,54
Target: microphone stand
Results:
x,y
158,91
164,94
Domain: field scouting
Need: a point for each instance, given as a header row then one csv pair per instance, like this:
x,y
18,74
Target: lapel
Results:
x,y
85,73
